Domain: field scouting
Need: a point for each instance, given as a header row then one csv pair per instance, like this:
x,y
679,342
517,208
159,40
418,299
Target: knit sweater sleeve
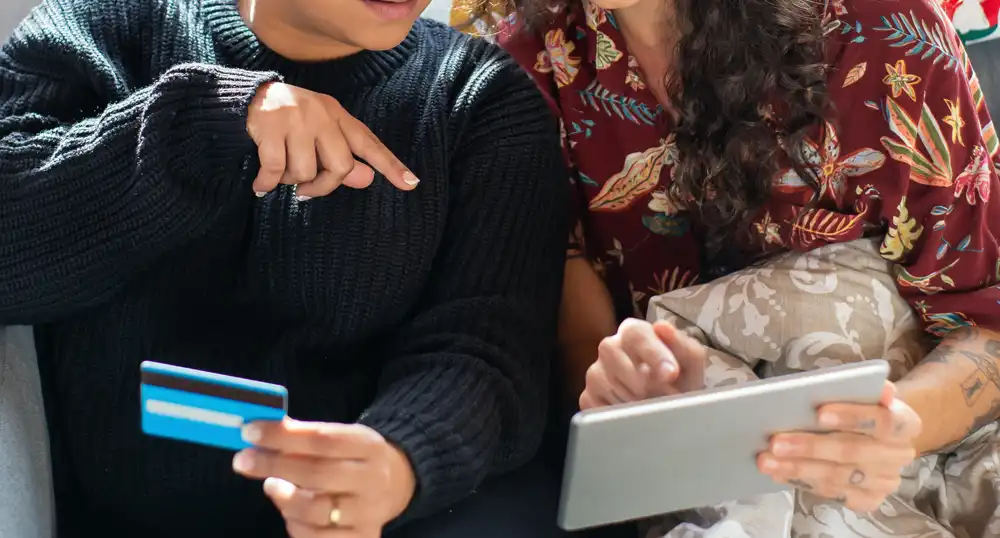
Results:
x,y
463,392
98,178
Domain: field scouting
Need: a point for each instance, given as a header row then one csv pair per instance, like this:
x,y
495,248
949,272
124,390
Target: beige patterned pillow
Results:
x,y
797,312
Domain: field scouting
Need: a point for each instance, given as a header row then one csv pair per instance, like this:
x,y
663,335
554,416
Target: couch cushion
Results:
x,y
26,501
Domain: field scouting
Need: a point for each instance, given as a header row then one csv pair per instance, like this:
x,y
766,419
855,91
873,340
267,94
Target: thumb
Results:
x,y
888,394
680,344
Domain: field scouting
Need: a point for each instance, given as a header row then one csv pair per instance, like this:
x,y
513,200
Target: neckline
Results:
x,y
241,47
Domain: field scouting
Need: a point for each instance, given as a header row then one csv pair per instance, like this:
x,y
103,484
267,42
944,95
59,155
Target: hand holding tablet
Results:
x,y
658,456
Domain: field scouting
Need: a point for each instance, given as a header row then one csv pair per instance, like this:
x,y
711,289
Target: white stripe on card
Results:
x,y
186,412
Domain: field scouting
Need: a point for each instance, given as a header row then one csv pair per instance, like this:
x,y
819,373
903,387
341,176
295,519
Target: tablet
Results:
x,y
647,458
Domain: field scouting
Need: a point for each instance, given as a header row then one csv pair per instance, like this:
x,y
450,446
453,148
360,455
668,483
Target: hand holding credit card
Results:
x,y
205,408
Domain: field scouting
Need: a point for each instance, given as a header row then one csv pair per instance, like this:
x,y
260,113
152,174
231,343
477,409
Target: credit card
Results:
x,y
203,407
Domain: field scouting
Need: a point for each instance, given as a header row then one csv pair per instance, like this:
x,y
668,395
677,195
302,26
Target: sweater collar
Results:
x,y
241,47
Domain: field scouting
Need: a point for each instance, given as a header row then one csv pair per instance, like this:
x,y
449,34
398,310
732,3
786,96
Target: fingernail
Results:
x,y
782,448
410,179
251,433
260,194
243,462
769,464
829,420
301,198
666,369
276,487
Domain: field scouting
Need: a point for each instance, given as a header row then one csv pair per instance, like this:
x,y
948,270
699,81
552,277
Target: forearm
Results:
x,y
956,388
84,205
586,317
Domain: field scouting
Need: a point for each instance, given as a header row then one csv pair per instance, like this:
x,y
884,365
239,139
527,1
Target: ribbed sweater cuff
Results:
x,y
447,464
213,101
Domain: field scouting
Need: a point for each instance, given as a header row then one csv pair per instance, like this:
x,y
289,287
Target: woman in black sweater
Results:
x,y
168,191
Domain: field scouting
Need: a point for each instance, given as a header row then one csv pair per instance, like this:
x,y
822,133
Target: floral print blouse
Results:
x,y
912,156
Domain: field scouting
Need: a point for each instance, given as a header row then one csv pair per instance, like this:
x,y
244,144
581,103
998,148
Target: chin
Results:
x,y
383,38
614,4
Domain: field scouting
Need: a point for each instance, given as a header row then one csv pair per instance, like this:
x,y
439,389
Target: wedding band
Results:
x,y
335,516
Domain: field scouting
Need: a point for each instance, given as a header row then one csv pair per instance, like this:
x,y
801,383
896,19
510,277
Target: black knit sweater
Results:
x,y
129,231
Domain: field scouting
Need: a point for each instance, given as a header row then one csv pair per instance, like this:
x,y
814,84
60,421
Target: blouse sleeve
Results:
x,y
528,49
903,86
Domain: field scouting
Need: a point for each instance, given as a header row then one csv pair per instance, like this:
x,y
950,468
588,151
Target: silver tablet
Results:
x,y
658,456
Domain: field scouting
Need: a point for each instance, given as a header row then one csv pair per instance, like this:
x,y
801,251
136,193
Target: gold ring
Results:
x,y
335,516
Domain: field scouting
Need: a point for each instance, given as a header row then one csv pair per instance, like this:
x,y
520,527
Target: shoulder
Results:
x,y
477,70
884,29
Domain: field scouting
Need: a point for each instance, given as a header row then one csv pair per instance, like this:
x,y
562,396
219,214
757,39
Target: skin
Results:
x,y
311,469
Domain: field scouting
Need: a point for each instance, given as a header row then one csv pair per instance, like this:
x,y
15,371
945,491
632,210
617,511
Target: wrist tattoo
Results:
x,y
986,372
867,425
857,477
801,484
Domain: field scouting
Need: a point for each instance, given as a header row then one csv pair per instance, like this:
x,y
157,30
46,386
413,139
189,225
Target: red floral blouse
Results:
x,y
915,159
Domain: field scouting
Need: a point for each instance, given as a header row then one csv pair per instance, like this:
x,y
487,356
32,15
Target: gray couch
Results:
x,y
26,505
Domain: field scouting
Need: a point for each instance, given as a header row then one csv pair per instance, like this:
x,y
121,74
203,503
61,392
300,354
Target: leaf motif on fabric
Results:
x,y
604,100
899,239
639,175
929,42
931,163
818,226
924,283
855,74
607,53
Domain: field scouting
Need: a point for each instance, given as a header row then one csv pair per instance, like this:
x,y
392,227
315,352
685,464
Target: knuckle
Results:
x,y
593,375
342,165
608,346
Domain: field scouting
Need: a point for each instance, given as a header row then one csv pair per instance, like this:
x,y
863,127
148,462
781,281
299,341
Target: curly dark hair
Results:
x,y
734,58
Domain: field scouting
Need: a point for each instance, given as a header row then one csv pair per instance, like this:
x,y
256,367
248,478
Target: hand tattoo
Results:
x,y
857,477
801,484
867,425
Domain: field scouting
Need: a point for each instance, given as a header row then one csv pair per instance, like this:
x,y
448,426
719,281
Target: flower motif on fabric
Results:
x,y
838,8
955,121
666,220
769,229
633,77
900,81
596,15
830,170
930,165
975,179
640,174
557,58
606,52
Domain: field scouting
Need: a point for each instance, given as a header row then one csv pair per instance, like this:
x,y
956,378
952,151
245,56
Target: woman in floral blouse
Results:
x,y
681,118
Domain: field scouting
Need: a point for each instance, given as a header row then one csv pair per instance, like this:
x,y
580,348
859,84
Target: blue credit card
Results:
x,y
205,408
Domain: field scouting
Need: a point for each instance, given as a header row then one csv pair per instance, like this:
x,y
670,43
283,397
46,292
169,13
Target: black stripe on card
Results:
x,y
197,386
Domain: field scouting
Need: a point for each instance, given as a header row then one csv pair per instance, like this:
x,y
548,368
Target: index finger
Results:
x,y
320,439
367,146
893,422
